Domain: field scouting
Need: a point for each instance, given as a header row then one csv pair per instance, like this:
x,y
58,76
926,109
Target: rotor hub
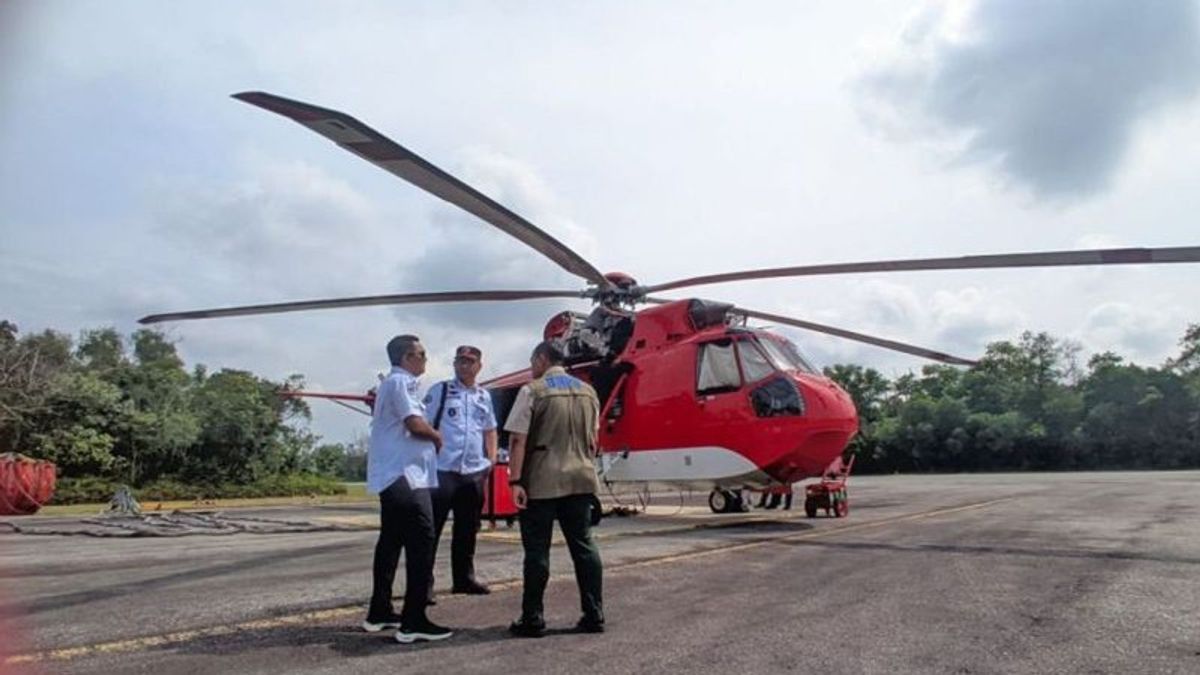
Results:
x,y
621,280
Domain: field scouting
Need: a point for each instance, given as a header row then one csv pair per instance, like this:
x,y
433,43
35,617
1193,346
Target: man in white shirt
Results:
x,y
402,470
461,411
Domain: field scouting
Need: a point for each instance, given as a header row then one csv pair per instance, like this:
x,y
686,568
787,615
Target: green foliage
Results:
x,y
86,490
342,461
327,459
79,425
141,418
1188,360
29,369
1028,406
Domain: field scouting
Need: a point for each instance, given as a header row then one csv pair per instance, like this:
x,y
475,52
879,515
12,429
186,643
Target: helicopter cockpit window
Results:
x,y
778,356
777,398
717,368
754,365
792,352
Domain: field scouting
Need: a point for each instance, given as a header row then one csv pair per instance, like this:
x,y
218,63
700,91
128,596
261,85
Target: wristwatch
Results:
x,y
516,483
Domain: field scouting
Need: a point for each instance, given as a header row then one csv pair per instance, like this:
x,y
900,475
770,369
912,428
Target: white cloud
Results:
x,y
280,216
1049,93
1140,334
969,319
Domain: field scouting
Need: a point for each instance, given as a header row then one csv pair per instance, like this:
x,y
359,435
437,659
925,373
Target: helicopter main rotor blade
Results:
x,y
858,337
363,301
1110,256
932,354
385,153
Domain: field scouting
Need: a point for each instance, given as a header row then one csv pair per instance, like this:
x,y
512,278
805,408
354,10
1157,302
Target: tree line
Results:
x,y
116,409
1029,404
112,410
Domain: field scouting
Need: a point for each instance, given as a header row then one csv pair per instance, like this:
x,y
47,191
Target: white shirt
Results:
x,y
467,413
395,453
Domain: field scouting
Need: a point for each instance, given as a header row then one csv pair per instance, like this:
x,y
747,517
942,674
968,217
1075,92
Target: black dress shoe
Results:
x,y
471,588
526,627
590,624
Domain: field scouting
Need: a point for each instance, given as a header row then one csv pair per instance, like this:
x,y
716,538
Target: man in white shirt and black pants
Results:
x,y
461,411
402,470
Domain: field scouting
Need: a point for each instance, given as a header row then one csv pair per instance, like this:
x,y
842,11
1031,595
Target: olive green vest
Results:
x,y
559,451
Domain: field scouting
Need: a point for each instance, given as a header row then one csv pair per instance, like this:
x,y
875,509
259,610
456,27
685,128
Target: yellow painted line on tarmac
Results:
x,y
179,637
360,522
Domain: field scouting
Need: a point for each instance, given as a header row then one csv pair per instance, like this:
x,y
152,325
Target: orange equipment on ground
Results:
x,y
831,493
26,484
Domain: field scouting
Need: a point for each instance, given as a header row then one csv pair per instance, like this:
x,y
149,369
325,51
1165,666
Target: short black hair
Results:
x,y
398,346
550,350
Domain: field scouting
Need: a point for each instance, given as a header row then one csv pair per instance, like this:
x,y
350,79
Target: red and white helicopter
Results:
x,y
692,395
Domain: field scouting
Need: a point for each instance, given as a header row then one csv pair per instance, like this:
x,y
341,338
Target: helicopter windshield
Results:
x,y
785,355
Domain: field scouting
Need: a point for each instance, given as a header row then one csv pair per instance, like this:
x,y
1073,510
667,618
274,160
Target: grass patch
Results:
x,y
94,493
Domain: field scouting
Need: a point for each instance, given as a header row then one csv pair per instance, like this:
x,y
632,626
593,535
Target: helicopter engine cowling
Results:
x,y
601,335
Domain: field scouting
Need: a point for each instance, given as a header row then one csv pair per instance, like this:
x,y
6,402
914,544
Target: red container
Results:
x,y
25,484
497,497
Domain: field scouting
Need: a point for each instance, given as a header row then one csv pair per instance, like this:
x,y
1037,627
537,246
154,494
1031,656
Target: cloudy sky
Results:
x,y
662,139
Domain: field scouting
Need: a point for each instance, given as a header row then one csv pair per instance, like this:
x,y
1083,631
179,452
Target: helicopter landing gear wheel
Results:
x,y
718,501
725,501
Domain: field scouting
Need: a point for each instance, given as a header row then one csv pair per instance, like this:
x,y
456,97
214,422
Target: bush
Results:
x,y
286,485
166,489
83,490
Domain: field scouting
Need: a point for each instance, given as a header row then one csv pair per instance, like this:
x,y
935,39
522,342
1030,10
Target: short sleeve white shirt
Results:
x,y
394,452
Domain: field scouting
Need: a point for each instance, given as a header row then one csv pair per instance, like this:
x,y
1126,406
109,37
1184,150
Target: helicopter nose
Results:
x,y
823,430
824,399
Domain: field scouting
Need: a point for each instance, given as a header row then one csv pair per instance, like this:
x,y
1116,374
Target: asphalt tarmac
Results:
x,y
1032,573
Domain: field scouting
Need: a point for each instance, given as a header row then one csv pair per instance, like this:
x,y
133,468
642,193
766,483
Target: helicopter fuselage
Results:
x,y
693,401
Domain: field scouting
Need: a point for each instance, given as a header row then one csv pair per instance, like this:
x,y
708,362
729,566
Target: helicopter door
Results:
x,y
723,413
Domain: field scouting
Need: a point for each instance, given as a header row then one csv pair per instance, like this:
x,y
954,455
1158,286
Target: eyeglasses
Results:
x,y
465,360
418,355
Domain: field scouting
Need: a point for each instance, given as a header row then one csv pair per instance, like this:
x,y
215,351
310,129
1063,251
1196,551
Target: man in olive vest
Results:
x,y
553,426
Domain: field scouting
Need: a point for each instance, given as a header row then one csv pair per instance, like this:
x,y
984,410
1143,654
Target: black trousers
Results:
x,y
405,522
462,494
574,516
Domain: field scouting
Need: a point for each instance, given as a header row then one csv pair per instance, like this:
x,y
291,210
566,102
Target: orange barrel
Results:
x,y
25,484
